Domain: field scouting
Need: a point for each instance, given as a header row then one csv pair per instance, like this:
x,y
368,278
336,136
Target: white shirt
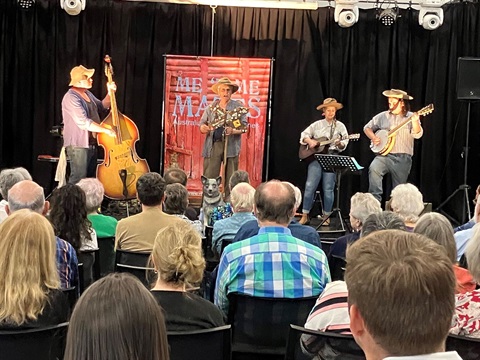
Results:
x,y
3,213
450,355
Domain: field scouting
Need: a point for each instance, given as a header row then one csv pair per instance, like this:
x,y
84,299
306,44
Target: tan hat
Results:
x,y
330,102
224,81
77,75
398,94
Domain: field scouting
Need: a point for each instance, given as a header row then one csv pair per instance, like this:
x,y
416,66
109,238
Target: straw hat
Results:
x,y
78,74
225,81
330,102
398,94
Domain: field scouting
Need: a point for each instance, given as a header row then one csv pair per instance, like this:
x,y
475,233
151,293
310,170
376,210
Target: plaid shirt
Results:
x,y
67,264
271,264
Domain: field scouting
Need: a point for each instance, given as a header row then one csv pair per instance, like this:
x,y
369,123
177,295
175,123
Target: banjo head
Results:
x,y
383,135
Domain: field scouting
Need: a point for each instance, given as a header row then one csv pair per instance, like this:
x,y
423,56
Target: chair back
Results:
x,y
72,296
207,344
303,344
260,325
468,348
46,343
106,261
95,254
337,268
134,263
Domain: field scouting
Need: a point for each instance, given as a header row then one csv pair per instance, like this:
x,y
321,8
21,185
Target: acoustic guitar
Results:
x,y
305,153
387,138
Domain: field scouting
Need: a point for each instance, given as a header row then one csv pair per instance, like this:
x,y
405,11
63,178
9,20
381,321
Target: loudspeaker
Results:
x,y
468,78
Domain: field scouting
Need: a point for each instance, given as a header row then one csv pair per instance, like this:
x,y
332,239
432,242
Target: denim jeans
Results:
x,y
83,162
398,165
314,175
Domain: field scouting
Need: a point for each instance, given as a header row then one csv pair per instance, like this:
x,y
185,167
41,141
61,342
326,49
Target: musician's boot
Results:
x,y
304,220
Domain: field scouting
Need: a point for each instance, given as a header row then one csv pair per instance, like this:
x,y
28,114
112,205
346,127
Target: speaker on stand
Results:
x,y
468,89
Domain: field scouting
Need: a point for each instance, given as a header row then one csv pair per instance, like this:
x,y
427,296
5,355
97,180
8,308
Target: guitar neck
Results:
x,y
398,127
114,109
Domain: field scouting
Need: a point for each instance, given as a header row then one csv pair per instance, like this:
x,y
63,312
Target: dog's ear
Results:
x,y
219,180
204,180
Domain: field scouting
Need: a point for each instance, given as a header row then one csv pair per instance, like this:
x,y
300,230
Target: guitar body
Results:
x,y
305,153
121,167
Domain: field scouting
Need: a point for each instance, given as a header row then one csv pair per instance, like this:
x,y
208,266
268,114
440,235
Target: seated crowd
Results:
x,y
409,261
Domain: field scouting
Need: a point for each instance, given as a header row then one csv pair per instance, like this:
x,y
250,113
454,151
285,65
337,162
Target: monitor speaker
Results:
x,y
468,78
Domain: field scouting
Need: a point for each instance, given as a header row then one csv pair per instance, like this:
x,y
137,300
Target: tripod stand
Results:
x,y
464,187
340,165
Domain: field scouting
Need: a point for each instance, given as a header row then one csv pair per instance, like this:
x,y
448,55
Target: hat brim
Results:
x,y
88,73
393,94
235,87
336,105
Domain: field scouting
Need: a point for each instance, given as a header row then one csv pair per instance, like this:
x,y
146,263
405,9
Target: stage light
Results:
x,y
346,12
388,16
26,4
73,7
431,14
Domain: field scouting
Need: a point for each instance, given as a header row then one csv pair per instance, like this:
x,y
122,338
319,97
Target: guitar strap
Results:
x,y
332,129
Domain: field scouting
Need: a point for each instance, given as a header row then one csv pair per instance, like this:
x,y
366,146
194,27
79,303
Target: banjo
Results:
x,y
387,138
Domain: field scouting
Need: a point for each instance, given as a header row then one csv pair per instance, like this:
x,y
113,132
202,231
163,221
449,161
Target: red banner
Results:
x,y
188,82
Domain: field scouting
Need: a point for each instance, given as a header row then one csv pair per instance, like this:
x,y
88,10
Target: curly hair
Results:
x,y
68,215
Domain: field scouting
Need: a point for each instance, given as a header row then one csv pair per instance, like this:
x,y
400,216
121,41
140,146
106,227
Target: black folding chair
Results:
x,y
135,263
260,325
72,295
468,348
46,343
208,344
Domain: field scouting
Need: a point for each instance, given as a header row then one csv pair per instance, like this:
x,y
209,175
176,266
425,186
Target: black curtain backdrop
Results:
x,y
314,59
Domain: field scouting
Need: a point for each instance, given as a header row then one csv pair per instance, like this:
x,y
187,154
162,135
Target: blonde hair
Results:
x,y
177,255
28,266
407,202
364,204
404,288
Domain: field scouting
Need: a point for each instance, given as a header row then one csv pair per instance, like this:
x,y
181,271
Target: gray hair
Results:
x,y
26,194
472,253
362,205
435,226
241,197
9,177
94,192
238,177
407,202
385,220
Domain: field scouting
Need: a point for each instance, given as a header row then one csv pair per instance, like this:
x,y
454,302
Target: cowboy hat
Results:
x,y
398,94
78,74
330,102
224,81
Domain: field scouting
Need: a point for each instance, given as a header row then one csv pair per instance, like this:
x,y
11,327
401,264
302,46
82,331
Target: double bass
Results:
x,y
121,166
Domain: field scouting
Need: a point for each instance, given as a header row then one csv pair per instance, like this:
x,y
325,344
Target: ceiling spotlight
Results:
x,y
431,14
388,16
346,12
26,4
73,7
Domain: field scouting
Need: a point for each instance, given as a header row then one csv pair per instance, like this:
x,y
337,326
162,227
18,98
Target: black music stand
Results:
x,y
339,164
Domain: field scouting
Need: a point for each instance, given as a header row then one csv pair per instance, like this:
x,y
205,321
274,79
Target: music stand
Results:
x,y
339,164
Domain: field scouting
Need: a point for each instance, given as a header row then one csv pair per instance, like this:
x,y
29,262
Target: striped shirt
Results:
x,y
271,264
322,128
388,121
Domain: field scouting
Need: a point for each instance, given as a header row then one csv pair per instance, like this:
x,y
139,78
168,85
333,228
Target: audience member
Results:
x,y
68,215
361,206
29,195
8,178
462,237
279,265
437,227
407,202
176,202
302,232
29,285
103,225
137,232
179,263
330,312
178,176
238,176
117,319
466,320
413,284
241,198
470,223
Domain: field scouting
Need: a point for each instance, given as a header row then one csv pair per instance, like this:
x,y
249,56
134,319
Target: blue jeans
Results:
x,y
314,175
83,162
398,165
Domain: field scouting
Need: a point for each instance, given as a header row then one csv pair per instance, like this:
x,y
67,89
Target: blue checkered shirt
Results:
x,y
271,264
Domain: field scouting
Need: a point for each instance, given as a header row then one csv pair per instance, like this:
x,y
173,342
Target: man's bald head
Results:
x,y
275,202
27,194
